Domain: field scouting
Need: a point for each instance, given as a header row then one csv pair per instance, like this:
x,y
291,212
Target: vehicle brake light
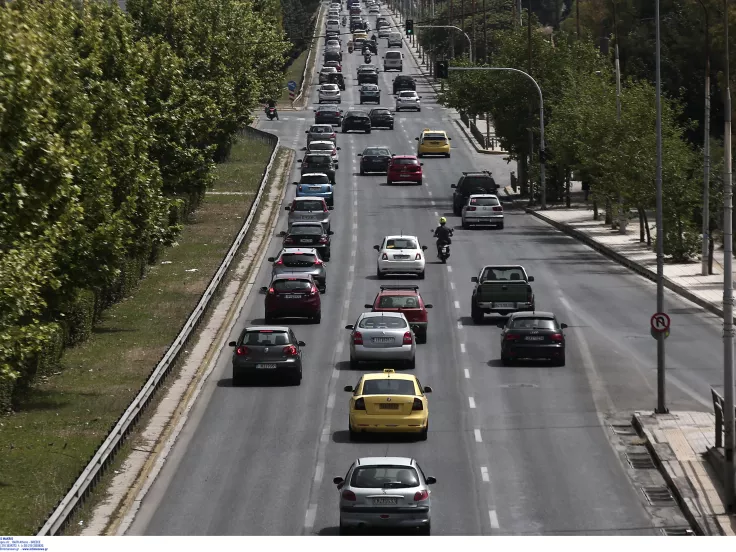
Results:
x,y
512,337
349,495
289,239
325,209
418,257
290,350
323,240
334,151
317,262
421,495
384,257
271,291
417,404
556,337
279,262
242,351
313,290
407,338
498,208
529,296
357,338
359,404
471,208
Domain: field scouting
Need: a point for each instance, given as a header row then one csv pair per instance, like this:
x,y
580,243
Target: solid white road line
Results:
x,y
478,438
310,516
471,401
484,474
331,401
494,519
318,473
467,373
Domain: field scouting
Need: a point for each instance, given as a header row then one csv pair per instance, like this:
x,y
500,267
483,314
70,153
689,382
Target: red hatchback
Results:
x,y
404,168
293,295
404,299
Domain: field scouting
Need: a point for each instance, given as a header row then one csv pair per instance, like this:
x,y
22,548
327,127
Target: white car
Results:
x,y
332,45
400,255
322,146
408,99
324,72
329,93
333,25
383,32
482,209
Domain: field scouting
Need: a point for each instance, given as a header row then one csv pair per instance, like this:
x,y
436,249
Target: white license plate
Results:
x,y
265,366
388,406
290,296
305,241
401,256
505,305
385,501
315,189
535,338
405,175
383,340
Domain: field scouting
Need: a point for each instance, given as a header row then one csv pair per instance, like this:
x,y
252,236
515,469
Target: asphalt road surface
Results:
x,y
522,450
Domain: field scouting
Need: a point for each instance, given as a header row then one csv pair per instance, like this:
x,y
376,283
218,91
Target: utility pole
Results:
x,y
704,252
661,406
622,217
728,414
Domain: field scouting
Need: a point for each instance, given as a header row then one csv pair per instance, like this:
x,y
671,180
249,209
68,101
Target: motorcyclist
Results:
x,y
272,105
344,20
443,234
373,37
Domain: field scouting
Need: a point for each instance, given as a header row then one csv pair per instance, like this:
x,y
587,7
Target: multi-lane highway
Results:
x,y
515,450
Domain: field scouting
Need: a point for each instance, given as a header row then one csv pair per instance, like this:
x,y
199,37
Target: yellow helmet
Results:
x,y
443,220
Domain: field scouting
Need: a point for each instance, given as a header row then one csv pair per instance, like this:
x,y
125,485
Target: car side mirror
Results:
x,y
231,344
368,306
298,160
330,232
563,326
271,259
431,480
360,155
428,306
330,208
295,183
424,248
427,389
377,248
531,278
417,139
348,388
339,148
453,185
287,208
338,480
474,279
349,327
301,343
449,138
306,132
501,325
421,164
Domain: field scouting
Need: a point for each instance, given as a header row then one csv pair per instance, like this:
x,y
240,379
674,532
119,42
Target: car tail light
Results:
x,y
271,291
313,290
334,152
242,351
289,239
512,337
556,337
323,240
498,208
349,495
417,404
407,338
471,208
357,338
279,262
359,404
384,257
529,296
418,257
421,495
318,262
325,210
290,350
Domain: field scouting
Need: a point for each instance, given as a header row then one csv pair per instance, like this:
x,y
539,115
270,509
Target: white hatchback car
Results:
x,y
408,99
400,255
329,93
482,209
325,146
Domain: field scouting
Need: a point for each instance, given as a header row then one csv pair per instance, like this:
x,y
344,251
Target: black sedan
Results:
x,y
370,93
356,120
532,335
367,75
328,115
310,234
382,117
374,159
267,351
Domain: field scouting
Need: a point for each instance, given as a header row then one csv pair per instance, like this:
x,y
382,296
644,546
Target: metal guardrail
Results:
x,y
718,406
312,46
93,471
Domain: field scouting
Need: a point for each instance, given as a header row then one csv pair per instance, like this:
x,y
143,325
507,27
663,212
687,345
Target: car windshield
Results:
x,y
401,243
309,205
533,323
306,230
376,152
318,159
483,201
388,387
434,136
380,477
404,161
315,179
393,55
398,302
266,338
501,273
298,259
382,322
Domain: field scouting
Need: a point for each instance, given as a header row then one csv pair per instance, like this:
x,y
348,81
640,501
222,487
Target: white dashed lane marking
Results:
x,y
467,373
462,347
484,474
471,402
478,438
457,303
494,519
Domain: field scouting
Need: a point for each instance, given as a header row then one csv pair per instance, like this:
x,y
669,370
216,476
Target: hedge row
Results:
x,y
110,126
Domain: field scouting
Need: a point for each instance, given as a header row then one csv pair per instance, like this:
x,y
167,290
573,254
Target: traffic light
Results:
x,y
409,26
440,70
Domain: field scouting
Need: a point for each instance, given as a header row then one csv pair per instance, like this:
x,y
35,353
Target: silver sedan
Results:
x,y
382,336
384,492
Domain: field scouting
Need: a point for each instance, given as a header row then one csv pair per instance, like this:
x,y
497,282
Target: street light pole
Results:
x,y
704,265
661,407
470,43
542,160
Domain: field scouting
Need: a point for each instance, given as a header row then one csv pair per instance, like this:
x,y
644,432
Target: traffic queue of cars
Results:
x,y
381,491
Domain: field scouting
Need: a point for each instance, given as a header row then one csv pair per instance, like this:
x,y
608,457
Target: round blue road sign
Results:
x,y
291,85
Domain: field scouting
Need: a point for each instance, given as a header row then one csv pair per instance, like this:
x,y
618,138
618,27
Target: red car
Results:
x,y
293,295
404,168
404,299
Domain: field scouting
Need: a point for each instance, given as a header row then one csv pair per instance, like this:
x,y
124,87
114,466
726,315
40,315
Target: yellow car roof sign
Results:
x,y
388,371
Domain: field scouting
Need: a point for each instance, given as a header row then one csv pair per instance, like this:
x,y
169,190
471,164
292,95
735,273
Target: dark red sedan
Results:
x,y
404,168
293,295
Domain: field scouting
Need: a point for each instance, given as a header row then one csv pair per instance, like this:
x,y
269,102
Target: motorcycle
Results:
x,y
367,58
272,114
443,250
344,21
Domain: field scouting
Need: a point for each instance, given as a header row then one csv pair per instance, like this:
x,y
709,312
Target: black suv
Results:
x,y
382,117
356,120
318,163
404,82
367,76
338,79
471,183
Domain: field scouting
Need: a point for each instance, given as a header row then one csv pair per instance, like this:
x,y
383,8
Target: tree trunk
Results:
x,y
641,224
568,176
609,217
596,215
646,227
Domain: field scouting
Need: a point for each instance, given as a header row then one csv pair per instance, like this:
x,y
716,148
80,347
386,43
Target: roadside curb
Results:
x,y
665,460
636,267
471,138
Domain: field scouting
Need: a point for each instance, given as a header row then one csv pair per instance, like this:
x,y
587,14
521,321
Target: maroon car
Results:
x,y
293,295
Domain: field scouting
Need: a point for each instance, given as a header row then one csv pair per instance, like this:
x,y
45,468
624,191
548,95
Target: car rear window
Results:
x,y
329,70
318,146
384,477
318,159
482,182
401,243
502,274
380,322
376,152
434,136
315,179
267,338
321,129
407,94
404,161
534,323
393,55
330,87
484,201
306,230
309,205
388,387
298,259
398,302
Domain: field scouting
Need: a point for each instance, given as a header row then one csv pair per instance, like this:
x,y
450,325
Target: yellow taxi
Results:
x,y
358,38
433,142
388,402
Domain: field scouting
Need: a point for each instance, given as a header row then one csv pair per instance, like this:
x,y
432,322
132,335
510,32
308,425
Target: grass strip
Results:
x,y
64,419
295,72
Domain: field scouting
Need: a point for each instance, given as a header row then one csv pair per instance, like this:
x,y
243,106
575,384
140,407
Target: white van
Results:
x,y
393,60
394,39
333,25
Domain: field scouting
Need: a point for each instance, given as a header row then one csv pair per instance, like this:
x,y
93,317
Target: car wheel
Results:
x,y
421,275
420,155
560,361
368,131
506,360
419,108
448,155
456,211
426,530
500,226
362,172
344,131
476,314
345,530
423,434
296,379
317,318
411,364
422,336
420,182
268,319
378,274
323,289
237,381
391,127
388,182
466,226
361,102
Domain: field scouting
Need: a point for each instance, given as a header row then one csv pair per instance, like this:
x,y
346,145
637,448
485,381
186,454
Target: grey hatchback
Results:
x,y
309,209
302,260
267,350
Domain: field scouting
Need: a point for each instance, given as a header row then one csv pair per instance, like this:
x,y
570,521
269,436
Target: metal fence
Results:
x,y
718,408
94,470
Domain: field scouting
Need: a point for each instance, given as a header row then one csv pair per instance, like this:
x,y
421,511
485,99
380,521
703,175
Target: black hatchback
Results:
x,y
267,351
318,163
532,335
356,120
374,159
404,82
328,115
382,118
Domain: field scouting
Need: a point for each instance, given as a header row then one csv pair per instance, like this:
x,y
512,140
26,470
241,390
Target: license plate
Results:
x,y
305,241
314,188
405,175
401,256
505,305
385,501
535,338
383,340
388,406
265,366
290,296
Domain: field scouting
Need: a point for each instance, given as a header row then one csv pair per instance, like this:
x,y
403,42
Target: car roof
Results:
x,y
471,196
307,198
377,147
405,157
412,292
389,375
307,223
316,173
330,142
274,328
532,314
429,129
385,461
288,275
298,250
